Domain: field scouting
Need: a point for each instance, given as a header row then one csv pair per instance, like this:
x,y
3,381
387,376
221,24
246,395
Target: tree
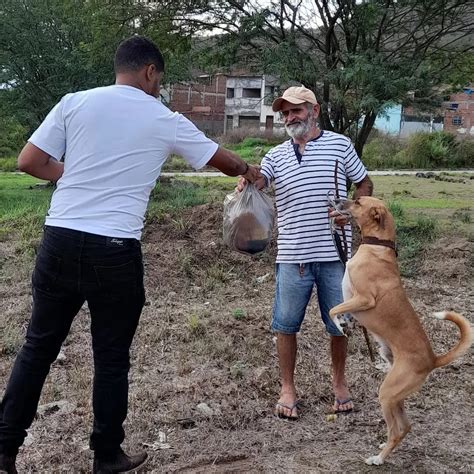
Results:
x,y
359,57
12,133
51,47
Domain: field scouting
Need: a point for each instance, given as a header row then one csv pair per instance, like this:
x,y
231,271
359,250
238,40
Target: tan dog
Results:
x,y
374,294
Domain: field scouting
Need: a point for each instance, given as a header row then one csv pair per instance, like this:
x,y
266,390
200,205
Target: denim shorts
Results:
x,y
294,286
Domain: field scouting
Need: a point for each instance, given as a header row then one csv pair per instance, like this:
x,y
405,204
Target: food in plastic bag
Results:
x,y
248,220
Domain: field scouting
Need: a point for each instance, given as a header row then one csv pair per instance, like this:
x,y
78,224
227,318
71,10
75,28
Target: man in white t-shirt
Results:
x,y
114,141
304,170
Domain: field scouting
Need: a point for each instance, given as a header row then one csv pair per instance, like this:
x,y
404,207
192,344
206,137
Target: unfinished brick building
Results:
x,y
202,100
459,113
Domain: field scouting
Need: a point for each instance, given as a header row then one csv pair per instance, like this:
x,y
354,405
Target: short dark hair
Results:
x,y
135,52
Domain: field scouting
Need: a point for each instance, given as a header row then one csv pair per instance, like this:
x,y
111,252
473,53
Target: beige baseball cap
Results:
x,y
294,95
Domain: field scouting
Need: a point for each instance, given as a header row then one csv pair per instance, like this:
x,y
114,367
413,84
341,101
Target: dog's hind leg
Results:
x,y
404,425
393,433
395,388
402,420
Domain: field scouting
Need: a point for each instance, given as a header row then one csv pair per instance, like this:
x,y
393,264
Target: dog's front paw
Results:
x,y
345,323
374,460
383,366
337,323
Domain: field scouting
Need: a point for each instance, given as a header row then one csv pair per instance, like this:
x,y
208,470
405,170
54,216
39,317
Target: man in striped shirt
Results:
x,y
303,170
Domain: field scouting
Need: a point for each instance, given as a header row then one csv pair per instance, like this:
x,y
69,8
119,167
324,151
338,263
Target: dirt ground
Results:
x,y
204,373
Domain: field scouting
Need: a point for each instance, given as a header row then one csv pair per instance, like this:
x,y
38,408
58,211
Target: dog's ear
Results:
x,y
378,214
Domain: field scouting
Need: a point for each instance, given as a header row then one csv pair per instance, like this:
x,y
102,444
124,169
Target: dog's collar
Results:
x,y
384,243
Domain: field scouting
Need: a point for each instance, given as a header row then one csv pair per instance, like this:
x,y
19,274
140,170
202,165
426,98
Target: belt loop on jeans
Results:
x,y
301,270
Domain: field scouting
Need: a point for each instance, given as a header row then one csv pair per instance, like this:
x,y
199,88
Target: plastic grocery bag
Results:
x,y
248,220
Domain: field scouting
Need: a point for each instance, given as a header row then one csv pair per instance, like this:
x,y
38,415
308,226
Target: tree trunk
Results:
x,y
324,119
364,132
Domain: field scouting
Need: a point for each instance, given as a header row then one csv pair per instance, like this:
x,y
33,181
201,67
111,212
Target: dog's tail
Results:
x,y
464,342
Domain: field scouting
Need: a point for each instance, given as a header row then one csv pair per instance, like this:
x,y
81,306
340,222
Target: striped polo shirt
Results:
x,y
301,185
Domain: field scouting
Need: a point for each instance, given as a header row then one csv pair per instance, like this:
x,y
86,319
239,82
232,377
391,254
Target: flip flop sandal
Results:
x,y
288,407
343,402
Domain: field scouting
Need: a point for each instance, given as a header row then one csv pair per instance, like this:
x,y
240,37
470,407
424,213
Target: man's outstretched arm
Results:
x,y
232,165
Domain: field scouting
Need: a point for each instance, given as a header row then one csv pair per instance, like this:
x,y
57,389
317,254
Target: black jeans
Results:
x,y
73,267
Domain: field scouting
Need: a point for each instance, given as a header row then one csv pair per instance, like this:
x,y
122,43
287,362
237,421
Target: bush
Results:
x,y
417,152
380,152
420,151
8,164
12,136
431,150
464,153
176,163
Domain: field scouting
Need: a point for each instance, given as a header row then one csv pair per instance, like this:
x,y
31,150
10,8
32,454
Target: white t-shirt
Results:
x,y
114,140
301,192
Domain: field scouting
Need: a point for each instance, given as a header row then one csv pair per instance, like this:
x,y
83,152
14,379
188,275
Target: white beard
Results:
x,y
299,130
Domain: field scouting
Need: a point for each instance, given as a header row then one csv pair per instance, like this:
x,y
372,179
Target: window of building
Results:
x,y
230,122
457,120
204,79
230,92
249,93
249,121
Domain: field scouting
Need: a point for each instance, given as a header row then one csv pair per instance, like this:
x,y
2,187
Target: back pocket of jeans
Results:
x,y
119,277
46,271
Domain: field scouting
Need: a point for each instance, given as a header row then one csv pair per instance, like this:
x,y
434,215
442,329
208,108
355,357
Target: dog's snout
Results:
x,y
341,203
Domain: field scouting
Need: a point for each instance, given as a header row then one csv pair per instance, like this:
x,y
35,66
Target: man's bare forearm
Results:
x,y
232,165
51,171
228,162
364,188
37,163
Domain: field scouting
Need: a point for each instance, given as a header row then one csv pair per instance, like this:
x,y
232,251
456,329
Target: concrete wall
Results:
x,y
389,122
238,107
408,128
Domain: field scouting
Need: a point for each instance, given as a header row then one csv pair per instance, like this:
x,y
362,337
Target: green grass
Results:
x,y
422,208
413,235
443,201
422,188
433,204
23,206
238,313
172,195
251,150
